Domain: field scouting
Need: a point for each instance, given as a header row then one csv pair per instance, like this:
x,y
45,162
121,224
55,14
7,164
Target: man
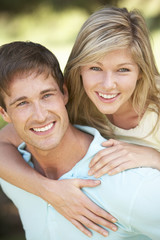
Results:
x,y
33,99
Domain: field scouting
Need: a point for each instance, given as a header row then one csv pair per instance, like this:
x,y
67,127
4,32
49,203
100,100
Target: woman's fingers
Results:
x,y
94,222
75,206
107,160
90,205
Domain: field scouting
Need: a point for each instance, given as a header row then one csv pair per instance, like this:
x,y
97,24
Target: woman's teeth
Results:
x,y
106,96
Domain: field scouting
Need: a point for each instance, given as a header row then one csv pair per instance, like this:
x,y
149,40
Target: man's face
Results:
x,y
36,107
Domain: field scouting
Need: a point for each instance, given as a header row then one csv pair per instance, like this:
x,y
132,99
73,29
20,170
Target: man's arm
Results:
x,y
66,196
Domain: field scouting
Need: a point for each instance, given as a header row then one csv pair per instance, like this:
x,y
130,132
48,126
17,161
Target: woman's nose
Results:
x,y
109,81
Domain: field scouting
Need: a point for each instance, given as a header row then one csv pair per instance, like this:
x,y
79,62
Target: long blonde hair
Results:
x,y
106,30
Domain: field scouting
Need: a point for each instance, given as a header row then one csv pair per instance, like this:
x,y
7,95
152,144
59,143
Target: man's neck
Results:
x,y
55,162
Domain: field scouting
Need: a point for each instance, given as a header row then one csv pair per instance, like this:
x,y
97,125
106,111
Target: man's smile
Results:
x,y
44,128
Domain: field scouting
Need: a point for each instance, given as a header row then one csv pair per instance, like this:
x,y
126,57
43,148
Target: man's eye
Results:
x,y
123,70
95,68
22,104
47,95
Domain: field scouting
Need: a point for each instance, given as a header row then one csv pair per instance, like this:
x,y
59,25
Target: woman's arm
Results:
x,y
65,195
12,166
120,156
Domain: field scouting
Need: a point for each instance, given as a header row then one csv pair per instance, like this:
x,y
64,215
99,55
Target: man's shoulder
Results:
x,y
96,144
135,176
145,172
92,131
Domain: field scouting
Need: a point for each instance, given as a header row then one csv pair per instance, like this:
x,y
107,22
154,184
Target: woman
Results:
x,y
113,60
112,63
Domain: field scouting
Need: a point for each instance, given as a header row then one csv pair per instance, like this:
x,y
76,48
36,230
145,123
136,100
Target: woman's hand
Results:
x,y
119,156
68,199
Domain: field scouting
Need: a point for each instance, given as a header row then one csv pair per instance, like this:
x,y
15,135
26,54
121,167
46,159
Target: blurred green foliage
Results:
x,y
55,30
19,6
55,23
2,123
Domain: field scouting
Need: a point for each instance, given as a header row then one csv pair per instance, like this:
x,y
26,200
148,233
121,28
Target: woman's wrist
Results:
x,y
45,188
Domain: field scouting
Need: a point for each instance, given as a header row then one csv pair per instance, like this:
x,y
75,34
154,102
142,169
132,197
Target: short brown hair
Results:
x,y
26,57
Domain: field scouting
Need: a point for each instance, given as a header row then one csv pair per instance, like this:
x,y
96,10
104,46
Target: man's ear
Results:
x,y
5,115
65,94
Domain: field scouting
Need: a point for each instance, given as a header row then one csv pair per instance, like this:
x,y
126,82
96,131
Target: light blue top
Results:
x,y
132,196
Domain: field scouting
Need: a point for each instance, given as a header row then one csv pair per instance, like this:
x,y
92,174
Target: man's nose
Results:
x,y
40,113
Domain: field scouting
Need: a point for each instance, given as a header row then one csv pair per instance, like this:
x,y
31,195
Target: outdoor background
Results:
x,y
55,24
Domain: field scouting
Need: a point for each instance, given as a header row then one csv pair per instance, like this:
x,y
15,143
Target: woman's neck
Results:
x,y
125,120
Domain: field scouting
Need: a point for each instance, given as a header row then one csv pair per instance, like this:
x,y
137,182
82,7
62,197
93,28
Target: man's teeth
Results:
x,y
107,96
43,129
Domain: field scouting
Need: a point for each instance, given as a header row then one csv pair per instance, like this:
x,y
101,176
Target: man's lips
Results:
x,y
44,128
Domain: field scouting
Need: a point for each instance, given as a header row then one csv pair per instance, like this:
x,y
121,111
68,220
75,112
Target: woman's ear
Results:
x,y
65,94
5,115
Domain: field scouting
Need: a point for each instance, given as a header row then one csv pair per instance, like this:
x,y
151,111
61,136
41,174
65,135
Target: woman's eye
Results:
x,y
95,68
123,70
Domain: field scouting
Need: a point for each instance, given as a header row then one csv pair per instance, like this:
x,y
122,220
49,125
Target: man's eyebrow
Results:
x,y
49,90
18,100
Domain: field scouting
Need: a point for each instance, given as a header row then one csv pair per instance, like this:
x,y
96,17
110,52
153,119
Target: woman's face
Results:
x,y
110,82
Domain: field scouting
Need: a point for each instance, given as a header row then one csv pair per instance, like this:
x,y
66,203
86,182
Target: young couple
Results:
x,y
111,78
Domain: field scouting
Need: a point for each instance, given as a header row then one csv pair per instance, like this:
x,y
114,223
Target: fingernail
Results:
x,y
97,181
114,228
114,220
110,173
105,234
89,234
89,172
96,175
